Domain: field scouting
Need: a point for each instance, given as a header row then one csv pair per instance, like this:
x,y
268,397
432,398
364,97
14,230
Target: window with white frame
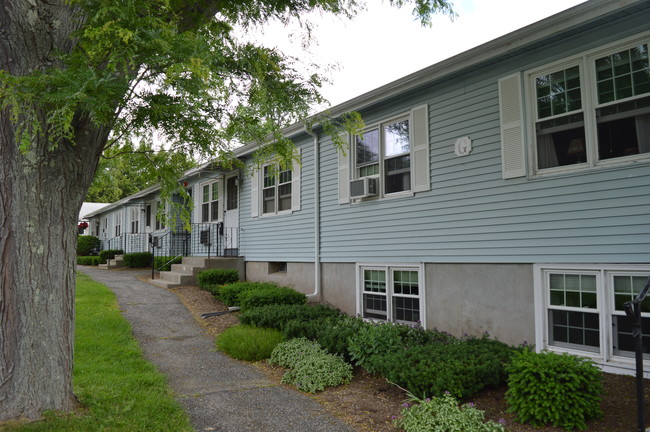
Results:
x,y
118,224
275,189
384,152
135,220
161,215
391,293
583,310
595,108
210,202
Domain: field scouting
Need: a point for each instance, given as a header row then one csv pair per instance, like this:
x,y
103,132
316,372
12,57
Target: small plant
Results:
x,y
267,296
138,259
278,316
248,343
109,254
229,294
332,333
557,389
216,277
443,414
88,260
86,245
311,368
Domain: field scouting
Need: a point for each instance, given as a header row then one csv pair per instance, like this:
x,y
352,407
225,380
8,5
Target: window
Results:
x,y
583,310
232,193
210,202
148,215
385,152
135,220
391,293
274,189
594,109
118,224
160,215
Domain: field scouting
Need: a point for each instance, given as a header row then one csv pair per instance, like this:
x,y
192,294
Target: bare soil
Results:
x,y
369,403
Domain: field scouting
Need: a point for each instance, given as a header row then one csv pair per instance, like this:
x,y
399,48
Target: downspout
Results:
x,y
317,278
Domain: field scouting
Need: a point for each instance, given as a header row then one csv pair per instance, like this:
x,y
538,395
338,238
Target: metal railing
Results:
x,y
203,239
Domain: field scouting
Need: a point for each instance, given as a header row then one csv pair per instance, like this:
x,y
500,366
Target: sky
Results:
x,y
360,49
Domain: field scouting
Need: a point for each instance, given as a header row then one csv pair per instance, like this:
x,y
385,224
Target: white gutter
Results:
x,y
317,278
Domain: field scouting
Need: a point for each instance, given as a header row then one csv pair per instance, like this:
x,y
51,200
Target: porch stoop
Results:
x,y
116,262
185,274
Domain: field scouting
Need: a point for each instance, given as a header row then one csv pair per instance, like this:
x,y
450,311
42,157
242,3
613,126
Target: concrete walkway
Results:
x,y
219,393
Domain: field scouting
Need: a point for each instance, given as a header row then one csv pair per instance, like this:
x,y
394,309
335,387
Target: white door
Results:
x,y
231,215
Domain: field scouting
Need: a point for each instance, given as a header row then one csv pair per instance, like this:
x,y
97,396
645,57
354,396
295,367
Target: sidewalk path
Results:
x,y
219,393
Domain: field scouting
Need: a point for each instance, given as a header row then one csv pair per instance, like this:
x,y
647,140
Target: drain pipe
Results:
x,y
317,279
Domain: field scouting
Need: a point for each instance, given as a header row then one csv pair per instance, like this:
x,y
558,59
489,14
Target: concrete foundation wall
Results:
x,y
460,298
475,298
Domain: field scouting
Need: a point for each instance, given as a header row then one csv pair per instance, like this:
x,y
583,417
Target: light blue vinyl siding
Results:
x,y
286,237
472,215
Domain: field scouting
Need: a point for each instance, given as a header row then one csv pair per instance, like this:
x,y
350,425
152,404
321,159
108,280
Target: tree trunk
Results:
x,y
41,191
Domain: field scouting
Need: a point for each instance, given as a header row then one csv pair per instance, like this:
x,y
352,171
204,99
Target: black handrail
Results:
x,y
633,312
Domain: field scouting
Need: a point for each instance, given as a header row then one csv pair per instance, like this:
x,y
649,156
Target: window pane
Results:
x,y
405,282
284,201
561,141
624,128
573,290
406,309
574,328
232,193
215,191
627,288
623,74
398,174
374,281
368,148
206,193
214,210
285,176
396,138
269,178
368,170
269,200
623,339
205,212
558,93
374,306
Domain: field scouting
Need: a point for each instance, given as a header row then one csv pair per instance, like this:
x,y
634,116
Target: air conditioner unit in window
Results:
x,y
363,187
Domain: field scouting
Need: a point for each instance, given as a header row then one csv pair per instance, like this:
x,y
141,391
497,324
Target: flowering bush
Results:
x,y
443,414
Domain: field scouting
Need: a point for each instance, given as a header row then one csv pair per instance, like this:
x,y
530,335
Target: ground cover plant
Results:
x,y
248,343
444,414
118,389
310,367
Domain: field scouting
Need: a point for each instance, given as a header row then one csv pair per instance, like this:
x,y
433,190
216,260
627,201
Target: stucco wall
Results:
x,y
460,298
475,298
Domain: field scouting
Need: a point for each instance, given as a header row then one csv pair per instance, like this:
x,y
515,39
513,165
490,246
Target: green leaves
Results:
x,y
557,389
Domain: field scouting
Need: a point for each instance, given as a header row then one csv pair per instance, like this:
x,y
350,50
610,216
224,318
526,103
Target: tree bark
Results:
x,y
41,192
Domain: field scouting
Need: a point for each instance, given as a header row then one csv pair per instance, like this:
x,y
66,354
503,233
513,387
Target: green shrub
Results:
x,y
216,277
164,263
380,339
88,260
109,254
138,259
229,294
443,414
557,389
278,316
87,244
248,343
267,296
332,333
311,368
461,368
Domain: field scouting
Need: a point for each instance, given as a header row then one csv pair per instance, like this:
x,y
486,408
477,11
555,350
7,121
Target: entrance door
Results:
x,y
231,216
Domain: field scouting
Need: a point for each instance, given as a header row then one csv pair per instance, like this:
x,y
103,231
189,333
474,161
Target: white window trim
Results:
x,y
382,158
257,188
199,210
586,62
605,294
388,267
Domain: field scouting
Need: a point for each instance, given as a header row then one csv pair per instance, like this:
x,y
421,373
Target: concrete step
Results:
x,y
185,274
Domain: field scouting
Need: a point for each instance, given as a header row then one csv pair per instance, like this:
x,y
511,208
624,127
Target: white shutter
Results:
x,y
421,163
222,196
295,183
255,199
513,154
344,173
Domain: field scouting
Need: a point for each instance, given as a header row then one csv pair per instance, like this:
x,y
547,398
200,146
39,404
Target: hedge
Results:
x,y
215,277
138,259
86,245
88,260
109,254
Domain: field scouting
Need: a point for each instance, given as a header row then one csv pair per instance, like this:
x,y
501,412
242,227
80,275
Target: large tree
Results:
x,y
77,76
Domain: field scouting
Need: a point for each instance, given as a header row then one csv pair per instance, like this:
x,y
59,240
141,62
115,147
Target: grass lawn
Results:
x,y
118,389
